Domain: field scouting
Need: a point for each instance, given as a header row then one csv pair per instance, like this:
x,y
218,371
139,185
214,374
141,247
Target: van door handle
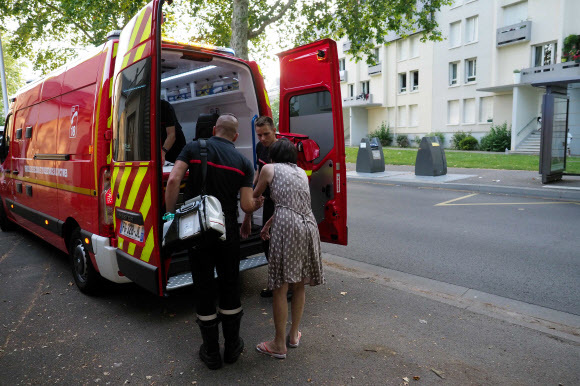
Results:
x,y
328,190
14,171
7,171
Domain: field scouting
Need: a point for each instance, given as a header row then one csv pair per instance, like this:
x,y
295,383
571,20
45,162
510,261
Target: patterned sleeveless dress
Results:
x,y
294,239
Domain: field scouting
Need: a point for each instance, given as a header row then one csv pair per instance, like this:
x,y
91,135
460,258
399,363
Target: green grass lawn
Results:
x,y
466,159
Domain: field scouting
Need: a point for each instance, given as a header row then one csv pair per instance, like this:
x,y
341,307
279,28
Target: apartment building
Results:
x,y
467,81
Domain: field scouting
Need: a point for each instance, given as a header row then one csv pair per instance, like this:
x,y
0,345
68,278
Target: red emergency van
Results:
x,y
81,155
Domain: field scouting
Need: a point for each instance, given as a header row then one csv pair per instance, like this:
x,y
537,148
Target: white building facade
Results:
x,y
467,81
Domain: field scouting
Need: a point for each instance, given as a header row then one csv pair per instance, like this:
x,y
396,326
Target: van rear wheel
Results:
x,y
87,279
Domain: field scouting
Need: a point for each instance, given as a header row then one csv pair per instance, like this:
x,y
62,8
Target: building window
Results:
x,y
391,116
453,112
402,82
469,110
402,115
455,34
470,70
365,87
414,115
471,29
377,54
341,64
544,54
514,14
402,49
486,109
351,90
415,80
453,68
414,46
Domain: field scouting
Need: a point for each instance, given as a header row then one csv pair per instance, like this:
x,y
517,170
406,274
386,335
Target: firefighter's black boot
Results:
x,y
234,345
209,352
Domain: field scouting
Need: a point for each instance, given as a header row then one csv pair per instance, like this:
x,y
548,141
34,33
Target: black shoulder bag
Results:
x,y
199,219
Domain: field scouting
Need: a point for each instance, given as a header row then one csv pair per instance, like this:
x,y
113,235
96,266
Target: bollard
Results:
x,y
430,159
370,157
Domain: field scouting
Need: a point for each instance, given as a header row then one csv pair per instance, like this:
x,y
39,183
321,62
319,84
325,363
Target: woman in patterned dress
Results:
x,y
295,258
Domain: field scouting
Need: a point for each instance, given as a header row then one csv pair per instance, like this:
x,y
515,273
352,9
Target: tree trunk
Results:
x,y
240,28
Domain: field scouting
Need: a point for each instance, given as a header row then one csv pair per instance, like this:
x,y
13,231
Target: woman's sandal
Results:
x,y
263,348
293,345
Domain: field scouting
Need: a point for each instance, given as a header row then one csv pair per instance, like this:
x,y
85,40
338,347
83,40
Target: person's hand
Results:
x,y
162,158
265,233
246,227
258,202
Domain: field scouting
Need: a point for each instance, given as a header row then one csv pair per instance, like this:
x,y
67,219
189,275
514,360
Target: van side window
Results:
x,y
311,114
131,127
5,140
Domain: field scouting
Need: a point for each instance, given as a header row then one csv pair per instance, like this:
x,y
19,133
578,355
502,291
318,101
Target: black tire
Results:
x,y
87,279
5,224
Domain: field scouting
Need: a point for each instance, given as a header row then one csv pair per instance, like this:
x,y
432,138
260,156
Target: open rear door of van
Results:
x,y
311,104
136,171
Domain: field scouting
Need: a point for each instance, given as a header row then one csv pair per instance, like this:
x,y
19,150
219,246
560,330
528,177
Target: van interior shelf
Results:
x,y
223,96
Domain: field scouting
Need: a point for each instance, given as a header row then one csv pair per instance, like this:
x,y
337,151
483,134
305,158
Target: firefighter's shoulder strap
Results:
x,y
203,159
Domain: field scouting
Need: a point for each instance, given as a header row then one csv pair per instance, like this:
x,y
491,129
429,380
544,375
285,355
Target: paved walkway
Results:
x,y
515,182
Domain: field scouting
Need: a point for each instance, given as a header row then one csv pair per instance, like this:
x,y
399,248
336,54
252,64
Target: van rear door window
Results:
x,y
311,114
132,110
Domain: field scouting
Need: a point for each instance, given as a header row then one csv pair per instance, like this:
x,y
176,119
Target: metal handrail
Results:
x,y
532,120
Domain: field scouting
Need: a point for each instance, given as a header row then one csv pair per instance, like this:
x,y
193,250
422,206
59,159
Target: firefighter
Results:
x,y
172,137
228,172
266,133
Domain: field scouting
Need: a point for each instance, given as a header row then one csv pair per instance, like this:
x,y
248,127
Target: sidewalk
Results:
x,y
514,182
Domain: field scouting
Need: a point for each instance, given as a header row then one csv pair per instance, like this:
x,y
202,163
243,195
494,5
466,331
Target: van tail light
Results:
x,y
106,205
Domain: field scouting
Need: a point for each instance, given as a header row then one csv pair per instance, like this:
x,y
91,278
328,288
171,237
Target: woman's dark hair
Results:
x,y
283,151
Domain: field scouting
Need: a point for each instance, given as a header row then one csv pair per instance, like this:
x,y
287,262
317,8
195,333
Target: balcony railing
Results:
x,y
343,76
513,34
376,69
360,100
558,72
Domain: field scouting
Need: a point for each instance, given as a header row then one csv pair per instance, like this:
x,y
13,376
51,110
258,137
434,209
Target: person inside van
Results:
x,y
172,137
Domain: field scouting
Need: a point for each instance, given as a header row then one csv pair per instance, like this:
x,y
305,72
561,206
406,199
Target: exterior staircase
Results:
x,y
530,145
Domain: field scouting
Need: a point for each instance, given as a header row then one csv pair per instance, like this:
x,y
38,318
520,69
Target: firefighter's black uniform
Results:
x,y
227,171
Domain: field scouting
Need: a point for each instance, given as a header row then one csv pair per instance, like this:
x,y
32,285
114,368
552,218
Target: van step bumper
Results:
x,y
184,279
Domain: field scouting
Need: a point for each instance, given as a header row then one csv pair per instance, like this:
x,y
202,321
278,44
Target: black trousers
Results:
x,y
267,213
224,256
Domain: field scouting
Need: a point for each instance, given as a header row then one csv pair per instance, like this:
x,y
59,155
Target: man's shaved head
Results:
x,y
226,126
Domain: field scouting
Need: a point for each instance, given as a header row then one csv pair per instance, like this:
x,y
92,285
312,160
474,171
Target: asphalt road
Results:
x,y
356,330
524,249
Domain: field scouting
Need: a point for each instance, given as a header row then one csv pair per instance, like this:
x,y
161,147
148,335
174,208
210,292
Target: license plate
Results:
x,y
133,231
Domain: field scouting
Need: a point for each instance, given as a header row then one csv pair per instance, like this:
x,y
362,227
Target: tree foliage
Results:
x,y
13,77
58,26
364,23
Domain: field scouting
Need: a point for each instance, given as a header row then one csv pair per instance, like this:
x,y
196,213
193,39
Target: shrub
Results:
x,y
417,140
468,143
457,137
498,138
439,135
403,140
383,133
